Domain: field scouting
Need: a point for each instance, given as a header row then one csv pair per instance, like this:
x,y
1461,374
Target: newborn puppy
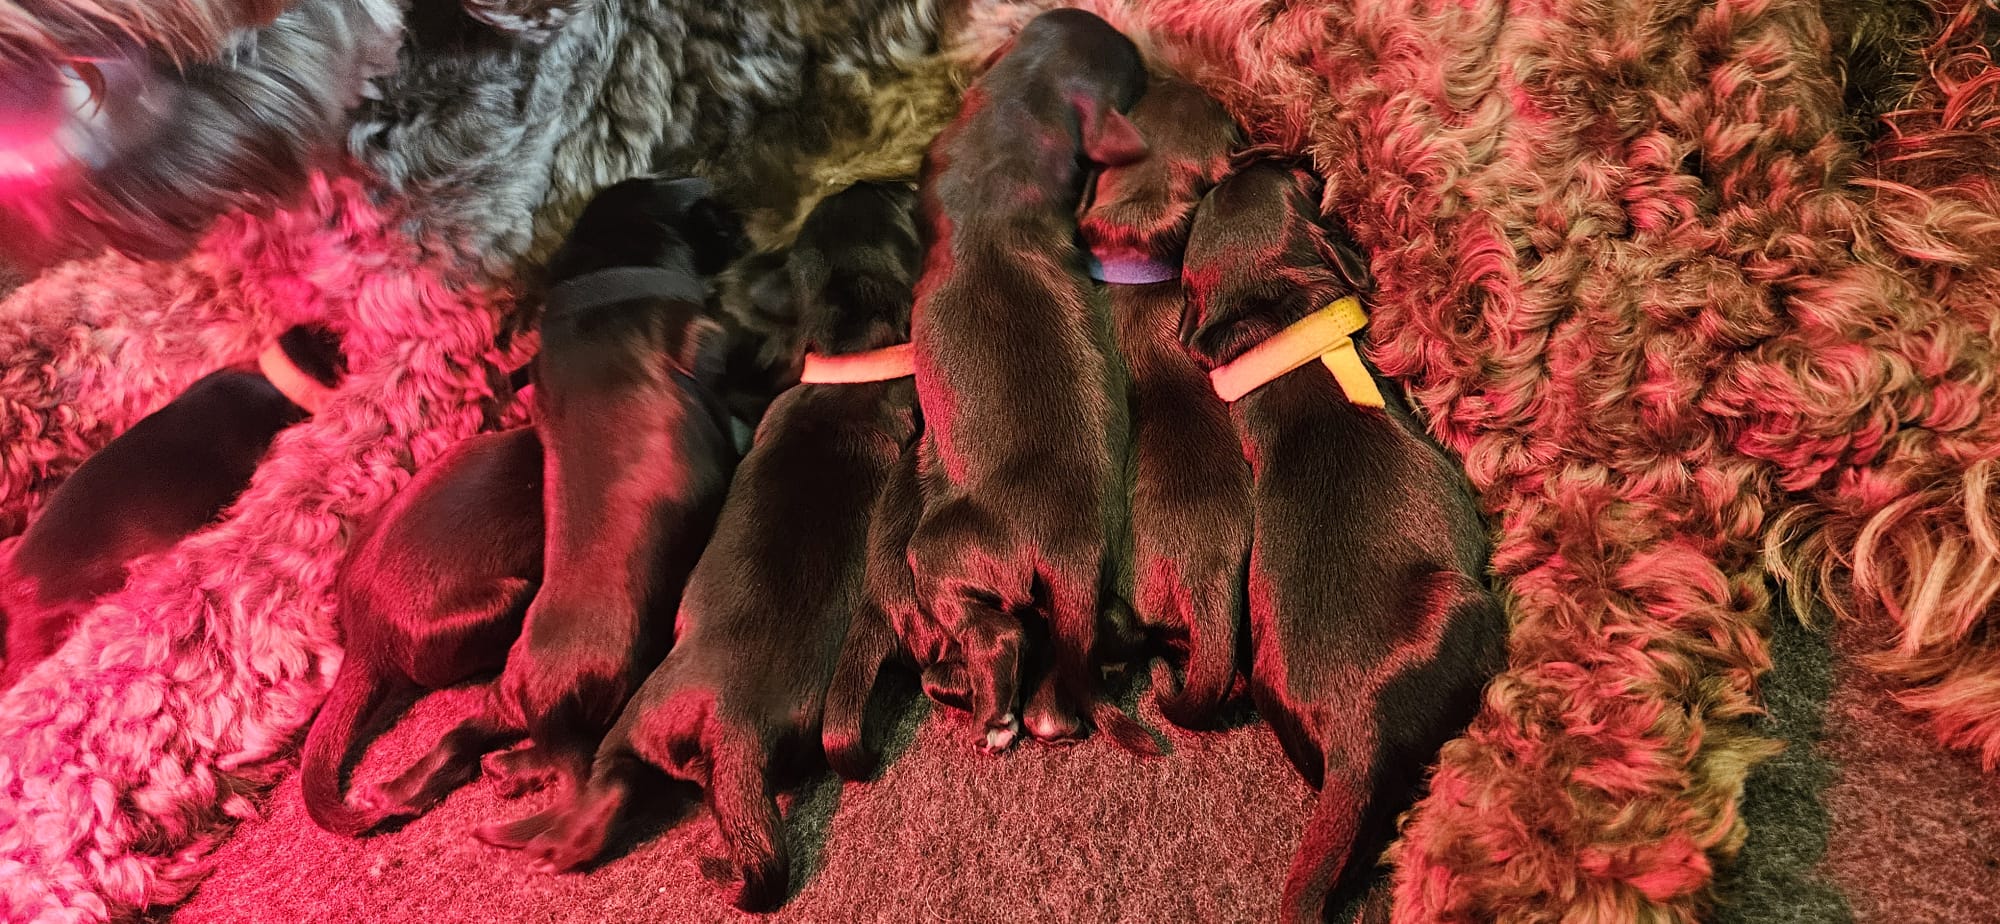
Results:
x,y
767,608
431,595
637,454
1023,402
168,476
1190,503
1371,626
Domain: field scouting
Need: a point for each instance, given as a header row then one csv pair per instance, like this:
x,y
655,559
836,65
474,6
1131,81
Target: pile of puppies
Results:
x,y
1085,394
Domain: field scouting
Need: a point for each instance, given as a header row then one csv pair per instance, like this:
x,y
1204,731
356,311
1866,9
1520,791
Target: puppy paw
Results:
x,y
371,800
556,852
1055,729
1000,737
518,772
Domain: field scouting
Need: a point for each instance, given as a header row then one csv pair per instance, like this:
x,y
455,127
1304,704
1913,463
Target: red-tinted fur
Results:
x,y
431,595
1190,484
1371,626
1023,401
637,458
168,476
768,607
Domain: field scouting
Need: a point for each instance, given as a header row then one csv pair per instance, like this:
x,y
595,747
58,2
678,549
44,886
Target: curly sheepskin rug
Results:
x,y
1705,295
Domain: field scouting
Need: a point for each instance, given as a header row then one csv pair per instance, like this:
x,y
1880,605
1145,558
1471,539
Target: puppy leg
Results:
x,y
1073,597
573,833
869,645
453,763
746,811
946,684
1048,717
991,642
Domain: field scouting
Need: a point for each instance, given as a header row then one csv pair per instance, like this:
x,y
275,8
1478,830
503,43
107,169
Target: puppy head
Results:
x,y
1082,60
1144,209
854,268
1259,259
672,223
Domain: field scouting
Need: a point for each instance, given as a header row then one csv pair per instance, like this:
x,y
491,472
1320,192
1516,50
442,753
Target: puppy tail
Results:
x,y
1211,660
870,644
1326,849
1125,731
355,696
739,795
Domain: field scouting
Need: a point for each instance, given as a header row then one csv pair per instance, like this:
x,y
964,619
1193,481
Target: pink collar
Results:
x,y
881,365
291,381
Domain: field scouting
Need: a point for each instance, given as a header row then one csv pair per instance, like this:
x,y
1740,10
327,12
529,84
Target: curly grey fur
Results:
x,y
501,133
237,133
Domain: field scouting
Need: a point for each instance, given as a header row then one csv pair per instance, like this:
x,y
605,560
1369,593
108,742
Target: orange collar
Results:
x,y
881,365
291,381
1325,335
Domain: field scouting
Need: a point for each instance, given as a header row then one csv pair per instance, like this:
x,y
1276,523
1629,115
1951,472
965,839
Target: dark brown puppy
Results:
x,y
1023,400
432,595
1190,534
1372,629
168,476
890,627
637,458
739,698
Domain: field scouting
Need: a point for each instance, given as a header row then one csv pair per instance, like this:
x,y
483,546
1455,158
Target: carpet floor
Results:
x,y
1862,819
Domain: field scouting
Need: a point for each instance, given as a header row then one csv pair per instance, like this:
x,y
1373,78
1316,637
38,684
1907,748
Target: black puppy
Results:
x,y
432,594
1190,482
168,476
1371,626
1023,400
769,604
637,454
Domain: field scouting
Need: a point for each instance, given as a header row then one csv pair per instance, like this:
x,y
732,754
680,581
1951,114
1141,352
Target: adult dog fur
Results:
x,y
1190,484
1022,400
768,607
432,595
637,457
1371,626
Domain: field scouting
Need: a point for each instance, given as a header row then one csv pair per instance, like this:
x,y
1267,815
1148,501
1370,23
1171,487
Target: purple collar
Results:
x,y
1131,271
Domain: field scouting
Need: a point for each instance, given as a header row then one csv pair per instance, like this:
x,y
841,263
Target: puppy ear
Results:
x,y
715,233
315,349
1346,259
1110,139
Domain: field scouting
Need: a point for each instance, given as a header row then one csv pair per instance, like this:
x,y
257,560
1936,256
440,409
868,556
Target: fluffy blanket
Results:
x,y
1699,301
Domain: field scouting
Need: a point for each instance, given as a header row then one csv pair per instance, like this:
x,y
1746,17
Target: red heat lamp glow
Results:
x,y
38,116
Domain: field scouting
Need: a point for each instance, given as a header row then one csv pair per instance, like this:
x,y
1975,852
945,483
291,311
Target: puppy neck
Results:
x,y
602,287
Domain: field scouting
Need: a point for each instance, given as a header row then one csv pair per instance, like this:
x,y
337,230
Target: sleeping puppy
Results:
x,y
1190,503
767,608
168,476
1023,400
1371,626
432,595
637,456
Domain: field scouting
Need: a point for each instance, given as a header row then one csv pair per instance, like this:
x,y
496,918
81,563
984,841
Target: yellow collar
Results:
x,y
291,381
881,365
1325,335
